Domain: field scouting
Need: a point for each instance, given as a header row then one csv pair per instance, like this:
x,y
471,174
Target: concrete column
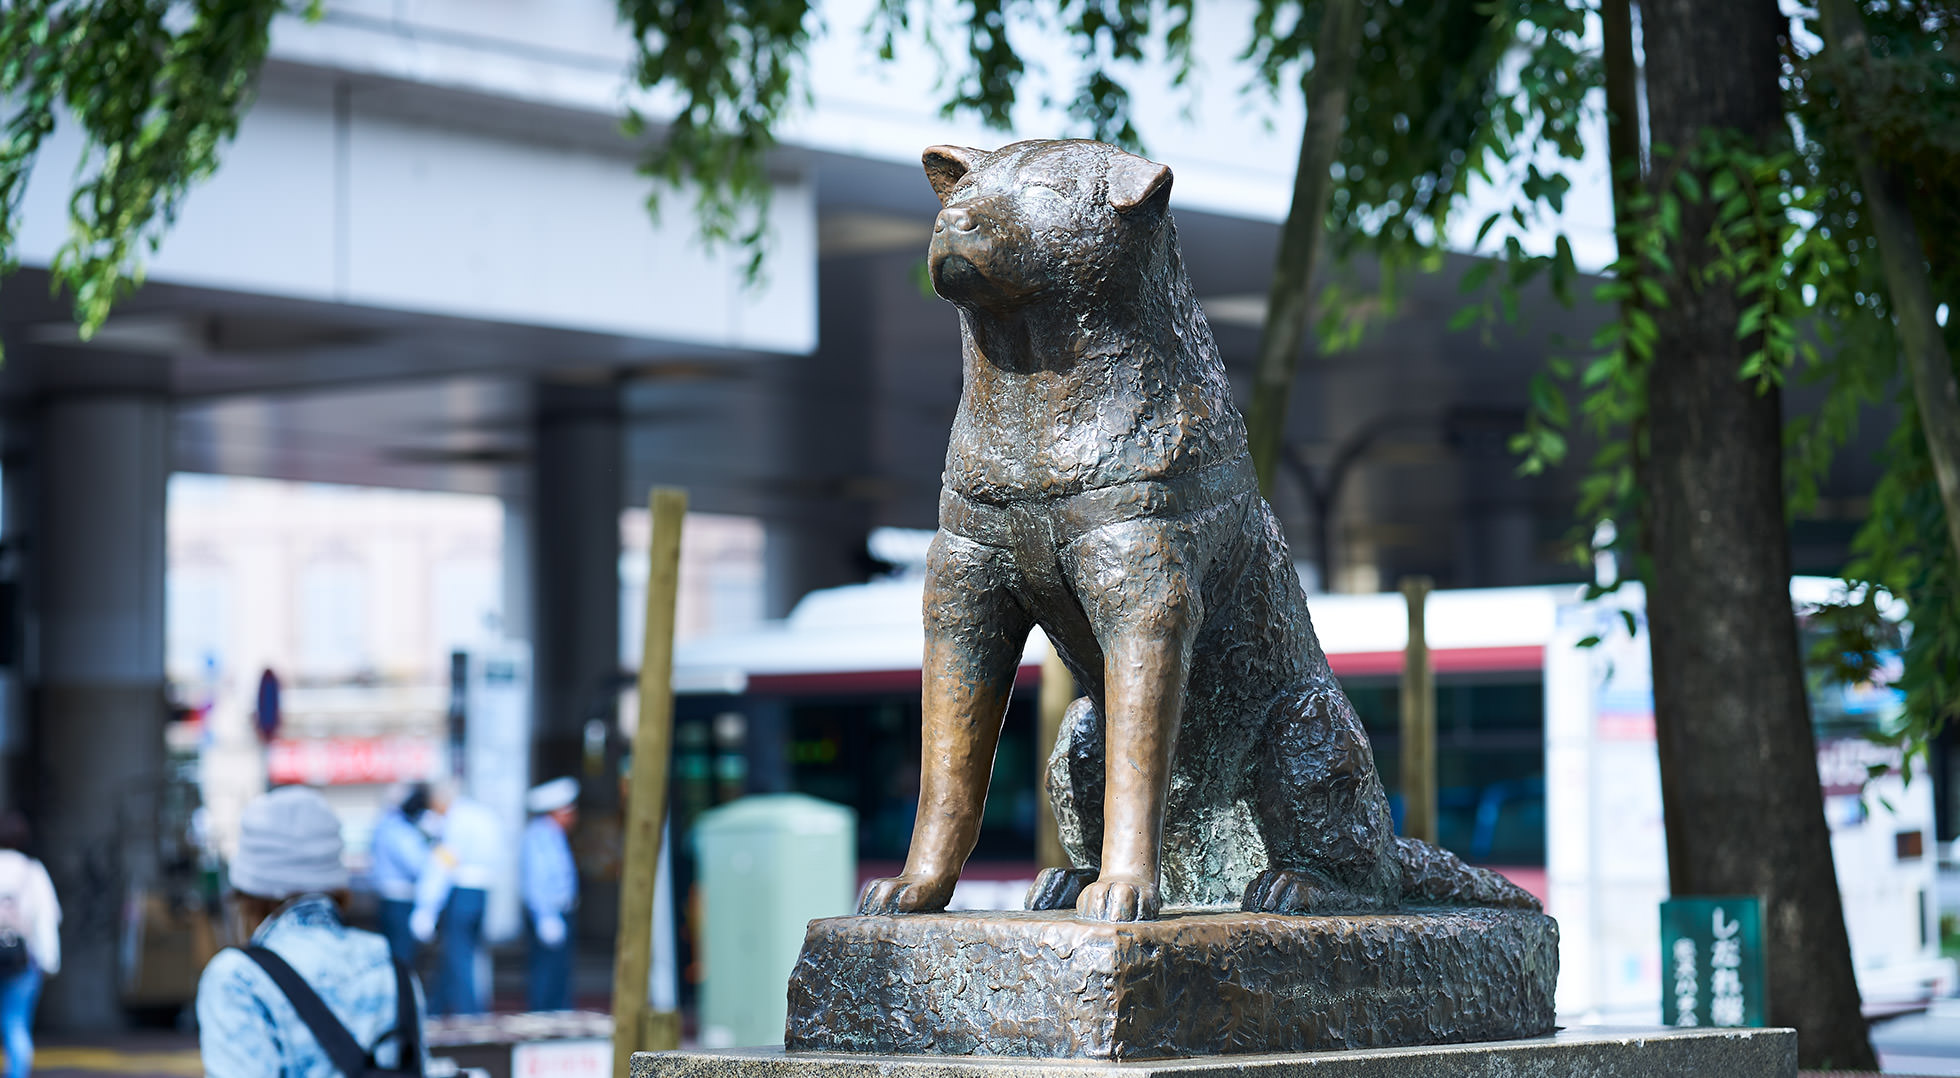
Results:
x,y
16,655
517,567
821,547
824,437
101,461
1507,537
574,590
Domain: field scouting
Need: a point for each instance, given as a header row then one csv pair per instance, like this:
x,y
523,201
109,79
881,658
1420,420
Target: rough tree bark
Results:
x,y
1289,302
1934,387
1738,759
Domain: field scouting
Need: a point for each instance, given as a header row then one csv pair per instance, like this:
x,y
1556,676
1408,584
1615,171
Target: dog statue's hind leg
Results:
x,y
1321,809
1075,789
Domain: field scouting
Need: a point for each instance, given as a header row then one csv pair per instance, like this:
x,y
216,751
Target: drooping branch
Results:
x,y
157,93
1289,303
735,66
1928,365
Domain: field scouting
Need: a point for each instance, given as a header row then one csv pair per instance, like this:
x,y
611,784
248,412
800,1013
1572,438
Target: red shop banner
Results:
x,y
346,761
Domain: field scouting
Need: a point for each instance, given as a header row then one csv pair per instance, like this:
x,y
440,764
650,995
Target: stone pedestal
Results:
x,y
1587,1052
1195,984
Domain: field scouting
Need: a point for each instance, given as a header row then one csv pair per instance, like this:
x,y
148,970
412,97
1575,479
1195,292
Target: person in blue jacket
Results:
x,y
398,853
550,890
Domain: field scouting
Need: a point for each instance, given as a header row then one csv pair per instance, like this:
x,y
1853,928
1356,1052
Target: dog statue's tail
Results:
x,y
1433,876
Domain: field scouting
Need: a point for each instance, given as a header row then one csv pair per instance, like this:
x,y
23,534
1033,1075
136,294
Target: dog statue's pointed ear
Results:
x,y
945,165
1135,182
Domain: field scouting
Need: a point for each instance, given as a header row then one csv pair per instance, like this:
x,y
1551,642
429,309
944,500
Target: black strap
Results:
x,y
408,1024
332,1034
329,1031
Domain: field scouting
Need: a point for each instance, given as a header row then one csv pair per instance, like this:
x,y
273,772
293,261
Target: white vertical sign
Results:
x,y
497,761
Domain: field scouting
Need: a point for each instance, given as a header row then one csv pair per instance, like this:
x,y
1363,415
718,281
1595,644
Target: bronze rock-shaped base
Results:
x,y
1051,984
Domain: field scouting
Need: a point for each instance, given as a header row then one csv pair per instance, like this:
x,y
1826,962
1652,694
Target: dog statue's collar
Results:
x,y
1076,514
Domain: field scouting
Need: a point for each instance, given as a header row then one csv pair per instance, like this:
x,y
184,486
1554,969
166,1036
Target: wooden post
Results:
x,y
1057,692
635,1028
1418,719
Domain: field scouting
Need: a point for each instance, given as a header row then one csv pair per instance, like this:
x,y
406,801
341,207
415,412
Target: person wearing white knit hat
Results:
x,y
309,996
550,891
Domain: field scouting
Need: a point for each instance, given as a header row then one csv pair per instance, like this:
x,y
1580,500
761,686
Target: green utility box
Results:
x,y
770,865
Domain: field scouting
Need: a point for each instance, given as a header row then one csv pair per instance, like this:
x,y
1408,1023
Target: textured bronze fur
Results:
x,y
1097,484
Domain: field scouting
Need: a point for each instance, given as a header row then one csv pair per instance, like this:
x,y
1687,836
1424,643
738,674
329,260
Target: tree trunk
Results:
x,y
1738,759
1623,158
1289,302
1622,102
1927,363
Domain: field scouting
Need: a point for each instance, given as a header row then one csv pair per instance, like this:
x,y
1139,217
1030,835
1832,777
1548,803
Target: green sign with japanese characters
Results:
x,y
1712,962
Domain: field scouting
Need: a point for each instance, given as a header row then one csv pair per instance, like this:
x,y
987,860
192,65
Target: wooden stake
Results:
x,y
1057,692
635,1028
1418,719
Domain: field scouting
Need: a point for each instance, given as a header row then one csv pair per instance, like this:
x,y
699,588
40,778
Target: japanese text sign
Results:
x,y
1712,962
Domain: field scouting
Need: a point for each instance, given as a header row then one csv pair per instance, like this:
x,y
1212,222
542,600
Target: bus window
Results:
x,y
1490,761
863,751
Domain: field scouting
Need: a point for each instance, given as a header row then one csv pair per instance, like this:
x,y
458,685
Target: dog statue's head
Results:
x,y
1041,220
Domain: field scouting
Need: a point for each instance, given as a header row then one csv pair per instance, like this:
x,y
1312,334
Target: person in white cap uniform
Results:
x,y
453,893
309,997
550,891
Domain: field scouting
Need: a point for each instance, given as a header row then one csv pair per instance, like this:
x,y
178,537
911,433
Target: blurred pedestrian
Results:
x,y
399,853
310,997
266,717
550,891
453,893
30,940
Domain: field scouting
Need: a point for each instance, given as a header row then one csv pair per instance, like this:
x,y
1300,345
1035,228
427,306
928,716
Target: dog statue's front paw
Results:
x,y
1058,888
909,893
1118,898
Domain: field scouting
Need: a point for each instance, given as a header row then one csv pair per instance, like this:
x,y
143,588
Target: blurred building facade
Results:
x,y
356,599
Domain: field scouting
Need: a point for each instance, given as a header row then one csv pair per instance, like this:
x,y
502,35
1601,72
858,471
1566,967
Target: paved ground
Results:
x,y
149,1055
1927,1044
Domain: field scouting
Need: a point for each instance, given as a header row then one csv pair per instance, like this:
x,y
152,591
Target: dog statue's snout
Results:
x,y
956,218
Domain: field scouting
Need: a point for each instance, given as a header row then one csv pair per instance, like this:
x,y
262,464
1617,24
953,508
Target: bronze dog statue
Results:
x,y
1098,485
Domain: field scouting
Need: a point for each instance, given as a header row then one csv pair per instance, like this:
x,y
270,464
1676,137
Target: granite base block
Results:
x,y
1054,985
1588,1052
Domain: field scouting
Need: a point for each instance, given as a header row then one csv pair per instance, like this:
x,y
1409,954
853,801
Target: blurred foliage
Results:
x,y
1109,36
1428,109
1448,94
1906,101
1762,245
735,69
732,70
1790,234
156,88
